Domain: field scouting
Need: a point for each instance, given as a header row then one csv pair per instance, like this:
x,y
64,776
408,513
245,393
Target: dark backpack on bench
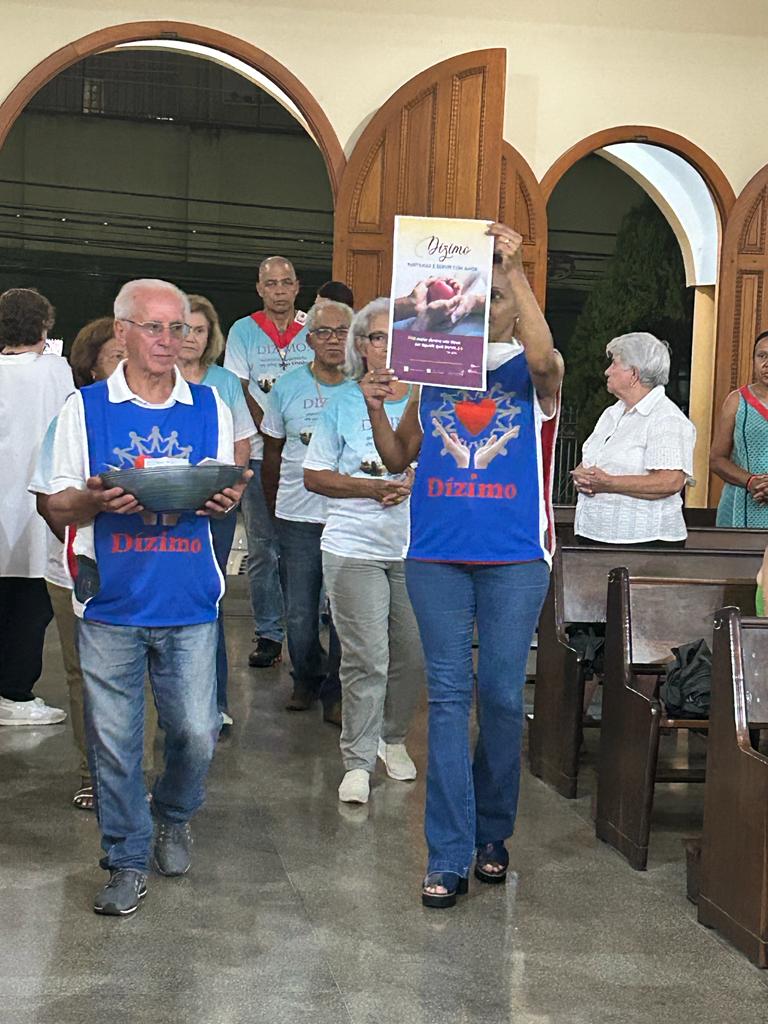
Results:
x,y
687,689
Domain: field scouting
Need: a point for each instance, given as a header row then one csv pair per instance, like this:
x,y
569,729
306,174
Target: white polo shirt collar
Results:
x,y
118,390
647,404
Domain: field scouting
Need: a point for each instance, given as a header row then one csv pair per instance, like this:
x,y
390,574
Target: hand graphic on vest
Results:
x,y
453,445
494,446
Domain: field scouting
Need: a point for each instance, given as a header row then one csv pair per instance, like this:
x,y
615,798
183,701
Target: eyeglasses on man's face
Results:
x,y
377,338
154,329
324,333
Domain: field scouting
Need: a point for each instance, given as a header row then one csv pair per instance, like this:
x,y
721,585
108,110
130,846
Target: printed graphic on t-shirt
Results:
x,y
474,432
153,446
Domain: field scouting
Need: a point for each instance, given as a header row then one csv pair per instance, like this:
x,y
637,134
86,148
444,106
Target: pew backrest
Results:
x,y
666,613
719,538
580,574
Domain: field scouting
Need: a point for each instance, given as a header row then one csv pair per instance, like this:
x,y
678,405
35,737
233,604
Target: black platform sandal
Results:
x,y
492,854
454,885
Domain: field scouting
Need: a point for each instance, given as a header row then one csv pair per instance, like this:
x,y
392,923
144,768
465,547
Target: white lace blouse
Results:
x,y
654,434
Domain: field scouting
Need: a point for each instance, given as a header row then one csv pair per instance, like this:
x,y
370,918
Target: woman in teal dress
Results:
x,y
739,453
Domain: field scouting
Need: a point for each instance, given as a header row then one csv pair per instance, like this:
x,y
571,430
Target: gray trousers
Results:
x,y
382,668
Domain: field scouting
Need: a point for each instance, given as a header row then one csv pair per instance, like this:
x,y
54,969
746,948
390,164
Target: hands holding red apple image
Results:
x,y
439,302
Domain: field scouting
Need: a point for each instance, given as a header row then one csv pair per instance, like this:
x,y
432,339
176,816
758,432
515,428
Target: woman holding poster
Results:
x,y
478,554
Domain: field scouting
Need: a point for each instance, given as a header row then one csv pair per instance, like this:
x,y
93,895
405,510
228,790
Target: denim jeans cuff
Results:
x,y
447,865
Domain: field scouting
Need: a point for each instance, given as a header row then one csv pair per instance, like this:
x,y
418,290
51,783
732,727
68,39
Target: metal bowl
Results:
x,y
180,488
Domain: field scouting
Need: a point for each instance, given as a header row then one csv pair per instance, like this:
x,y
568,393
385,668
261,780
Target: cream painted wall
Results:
x,y
574,66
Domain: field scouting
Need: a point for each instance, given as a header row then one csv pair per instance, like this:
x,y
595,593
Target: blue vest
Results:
x,y
152,575
478,492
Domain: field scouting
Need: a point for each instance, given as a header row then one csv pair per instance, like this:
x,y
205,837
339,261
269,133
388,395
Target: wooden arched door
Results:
x,y
433,149
522,205
743,295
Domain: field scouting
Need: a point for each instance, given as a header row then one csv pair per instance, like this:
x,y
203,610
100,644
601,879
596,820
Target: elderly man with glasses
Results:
x,y
147,589
295,405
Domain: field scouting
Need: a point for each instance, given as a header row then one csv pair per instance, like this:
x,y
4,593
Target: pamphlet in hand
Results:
x,y
438,314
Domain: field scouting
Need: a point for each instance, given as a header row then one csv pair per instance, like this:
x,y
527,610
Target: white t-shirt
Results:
x,y
56,571
654,434
343,441
295,404
253,356
70,447
33,388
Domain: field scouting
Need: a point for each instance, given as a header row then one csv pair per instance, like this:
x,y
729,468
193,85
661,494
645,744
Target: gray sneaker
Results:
x,y
172,848
121,895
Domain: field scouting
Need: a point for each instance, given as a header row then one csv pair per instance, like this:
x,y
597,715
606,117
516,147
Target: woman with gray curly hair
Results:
x,y
634,466
363,542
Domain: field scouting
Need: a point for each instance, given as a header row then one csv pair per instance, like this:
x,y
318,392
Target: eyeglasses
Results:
x,y
378,338
154,329
324,333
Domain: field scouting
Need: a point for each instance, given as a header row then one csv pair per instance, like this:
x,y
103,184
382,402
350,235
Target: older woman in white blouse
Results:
x,y
639,457
634,466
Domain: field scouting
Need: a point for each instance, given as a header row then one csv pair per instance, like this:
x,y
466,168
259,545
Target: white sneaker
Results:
x,y
226,719
355,787
29,712
397,761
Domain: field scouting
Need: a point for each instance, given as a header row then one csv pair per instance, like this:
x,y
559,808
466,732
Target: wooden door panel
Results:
x,y
433,149
523,207
743,297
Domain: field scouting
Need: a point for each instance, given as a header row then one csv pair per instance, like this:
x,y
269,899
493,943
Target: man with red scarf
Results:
x,y
260,348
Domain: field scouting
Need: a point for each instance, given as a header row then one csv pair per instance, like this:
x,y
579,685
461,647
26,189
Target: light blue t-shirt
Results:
x,y
295,404
253,356
343,441
231,393
55,570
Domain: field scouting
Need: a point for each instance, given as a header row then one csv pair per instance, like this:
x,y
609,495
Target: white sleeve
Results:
x,y
226,449
41,478
324,448
70,447
242,421
670,445
236,353
593,437
273,424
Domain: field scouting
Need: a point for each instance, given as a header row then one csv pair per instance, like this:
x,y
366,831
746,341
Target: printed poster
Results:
x,y
438,314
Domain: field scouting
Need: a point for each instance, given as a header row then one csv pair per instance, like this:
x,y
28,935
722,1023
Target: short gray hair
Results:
x,y
354,366
320,307
275,259
645,353
125,303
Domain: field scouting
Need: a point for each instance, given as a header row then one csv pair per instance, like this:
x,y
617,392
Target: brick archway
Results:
x,y
105,39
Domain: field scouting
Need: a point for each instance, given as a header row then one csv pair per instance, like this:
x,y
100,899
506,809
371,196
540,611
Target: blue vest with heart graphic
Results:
x,y
479,492
157,575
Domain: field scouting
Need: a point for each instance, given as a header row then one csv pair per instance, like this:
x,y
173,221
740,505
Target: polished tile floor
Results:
x,y
298,909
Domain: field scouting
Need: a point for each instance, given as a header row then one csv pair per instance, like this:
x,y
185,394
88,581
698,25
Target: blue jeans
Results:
x,y
472,804
301,567
181,661
223,533
263,574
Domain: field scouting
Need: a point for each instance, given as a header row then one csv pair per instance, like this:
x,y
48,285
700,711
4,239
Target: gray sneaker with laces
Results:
x,y
172,848
121,895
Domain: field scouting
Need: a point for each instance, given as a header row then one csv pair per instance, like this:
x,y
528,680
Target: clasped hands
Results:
x,y
758,488
590,480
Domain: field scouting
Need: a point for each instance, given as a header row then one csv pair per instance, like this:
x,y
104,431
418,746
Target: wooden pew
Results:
x,y
720,538
733,888
577,594
646,617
